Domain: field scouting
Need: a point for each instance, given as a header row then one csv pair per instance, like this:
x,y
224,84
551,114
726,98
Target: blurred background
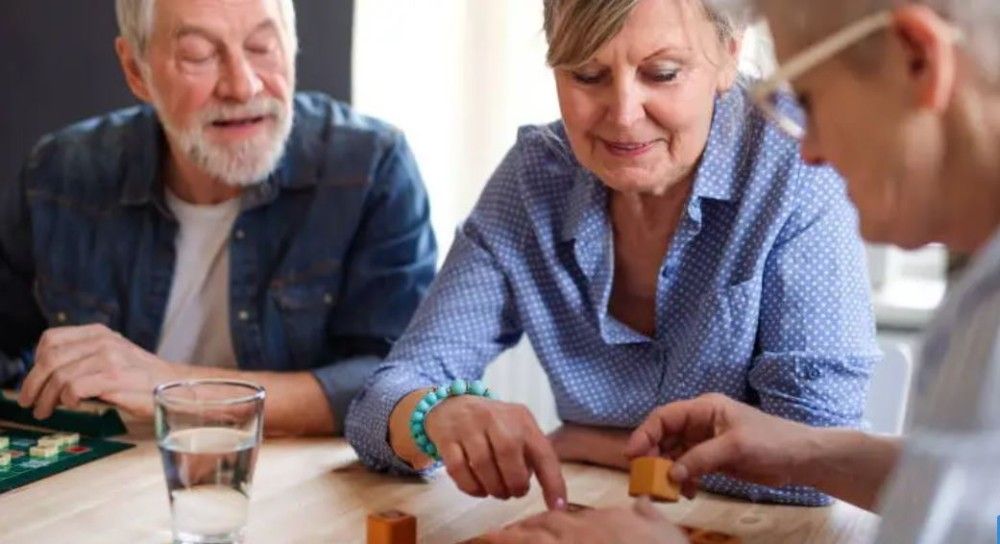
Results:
x,y
458,77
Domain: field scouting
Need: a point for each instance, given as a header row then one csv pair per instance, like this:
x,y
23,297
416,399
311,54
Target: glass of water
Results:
x,y
208,432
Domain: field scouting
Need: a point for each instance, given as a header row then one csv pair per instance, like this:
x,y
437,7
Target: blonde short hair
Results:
x,y
576,29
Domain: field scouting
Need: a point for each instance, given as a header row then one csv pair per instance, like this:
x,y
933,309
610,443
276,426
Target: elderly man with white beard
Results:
x,y
227,228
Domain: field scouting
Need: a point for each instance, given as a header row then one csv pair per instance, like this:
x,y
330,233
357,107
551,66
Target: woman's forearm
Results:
x,y
591,445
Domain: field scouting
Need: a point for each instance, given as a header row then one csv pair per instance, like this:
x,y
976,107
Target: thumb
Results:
x,y
714,455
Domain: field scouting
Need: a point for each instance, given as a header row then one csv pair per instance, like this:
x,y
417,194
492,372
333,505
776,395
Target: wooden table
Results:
x,y
315,491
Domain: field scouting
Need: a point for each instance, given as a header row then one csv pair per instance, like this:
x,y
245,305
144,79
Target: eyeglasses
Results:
x,y
768,93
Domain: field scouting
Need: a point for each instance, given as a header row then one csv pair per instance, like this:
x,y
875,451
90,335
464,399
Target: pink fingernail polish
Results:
x,y
560,504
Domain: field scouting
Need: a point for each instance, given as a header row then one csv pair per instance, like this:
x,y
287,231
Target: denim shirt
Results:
x,y
762,296
329,256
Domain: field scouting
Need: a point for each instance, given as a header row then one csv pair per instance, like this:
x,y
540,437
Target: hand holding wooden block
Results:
x,y
650,476
392,527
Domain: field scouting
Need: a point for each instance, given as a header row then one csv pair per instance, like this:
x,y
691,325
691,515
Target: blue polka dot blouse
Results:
x,y
762,296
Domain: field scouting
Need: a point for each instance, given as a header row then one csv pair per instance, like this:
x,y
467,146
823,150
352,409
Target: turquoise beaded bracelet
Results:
x,y
457,388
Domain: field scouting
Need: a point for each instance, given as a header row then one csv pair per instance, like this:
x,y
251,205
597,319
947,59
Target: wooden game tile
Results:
x,y
650,476
392,527
52,441
4,442
705,536
68,439
43,452
4,459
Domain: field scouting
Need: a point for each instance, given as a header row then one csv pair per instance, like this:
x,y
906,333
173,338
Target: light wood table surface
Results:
x,y
315,491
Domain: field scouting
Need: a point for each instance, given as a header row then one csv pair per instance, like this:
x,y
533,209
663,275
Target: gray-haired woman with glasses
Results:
x,y
906,103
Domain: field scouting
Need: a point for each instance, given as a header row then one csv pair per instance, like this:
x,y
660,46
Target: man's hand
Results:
x,y
628,525
77,363
714,433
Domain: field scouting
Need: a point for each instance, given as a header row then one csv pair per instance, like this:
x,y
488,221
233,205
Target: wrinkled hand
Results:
x,y
640,522
714,433
492,448
77,363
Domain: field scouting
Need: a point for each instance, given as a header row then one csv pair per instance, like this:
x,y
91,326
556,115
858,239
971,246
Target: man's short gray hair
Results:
x,y
135,23
979,21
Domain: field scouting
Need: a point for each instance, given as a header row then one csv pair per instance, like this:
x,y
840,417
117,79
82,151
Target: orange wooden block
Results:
x,y
392,527
650,476
704,536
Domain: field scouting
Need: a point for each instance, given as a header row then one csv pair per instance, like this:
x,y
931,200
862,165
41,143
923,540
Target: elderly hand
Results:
x,y
92,361
640,522
493,448
714,433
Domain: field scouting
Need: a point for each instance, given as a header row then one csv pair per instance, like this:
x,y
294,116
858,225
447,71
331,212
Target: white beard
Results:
x,y
244,164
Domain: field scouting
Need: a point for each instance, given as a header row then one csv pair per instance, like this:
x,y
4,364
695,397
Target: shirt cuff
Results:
x,y
367,427
797,495
341,381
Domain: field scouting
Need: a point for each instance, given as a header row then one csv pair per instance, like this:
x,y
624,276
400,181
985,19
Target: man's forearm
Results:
x,y
296,404
850,465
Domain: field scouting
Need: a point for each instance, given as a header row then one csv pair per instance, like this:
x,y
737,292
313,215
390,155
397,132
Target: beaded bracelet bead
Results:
x,y
456,388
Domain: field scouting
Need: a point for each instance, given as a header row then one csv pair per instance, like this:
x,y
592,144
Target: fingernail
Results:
x,y
679,473
560,504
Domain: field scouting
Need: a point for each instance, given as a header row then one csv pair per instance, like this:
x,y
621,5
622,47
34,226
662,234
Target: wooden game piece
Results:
x,y
4,459
43,452
50,441
704,536
69,439
4,442
650,476
392,527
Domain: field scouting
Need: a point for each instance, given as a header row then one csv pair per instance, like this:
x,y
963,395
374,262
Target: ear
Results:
x,y
730,71
133,72
929,45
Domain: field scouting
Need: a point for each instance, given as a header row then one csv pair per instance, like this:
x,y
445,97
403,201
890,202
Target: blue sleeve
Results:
x,y
467,320
816,338
387,272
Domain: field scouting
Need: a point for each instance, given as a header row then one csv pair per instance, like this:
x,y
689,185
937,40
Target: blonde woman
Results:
x,y
659,242
903,97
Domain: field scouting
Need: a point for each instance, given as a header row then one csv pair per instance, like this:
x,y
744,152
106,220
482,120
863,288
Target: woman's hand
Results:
x,y
489,447
640,522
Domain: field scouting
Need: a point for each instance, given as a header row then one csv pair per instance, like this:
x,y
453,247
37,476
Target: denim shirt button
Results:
x,y
61,317
239,234
243,315
328,299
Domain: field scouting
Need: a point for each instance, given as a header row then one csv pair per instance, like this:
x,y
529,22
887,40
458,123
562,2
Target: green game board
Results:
x,y
24,470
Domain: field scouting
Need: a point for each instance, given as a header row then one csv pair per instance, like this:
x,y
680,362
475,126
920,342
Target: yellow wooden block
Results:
x,y
650,476
43,452
4,459
392,527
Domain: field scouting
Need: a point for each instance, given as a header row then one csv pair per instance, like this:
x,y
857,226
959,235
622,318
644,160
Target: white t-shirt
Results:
x,y
946,488
196,327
